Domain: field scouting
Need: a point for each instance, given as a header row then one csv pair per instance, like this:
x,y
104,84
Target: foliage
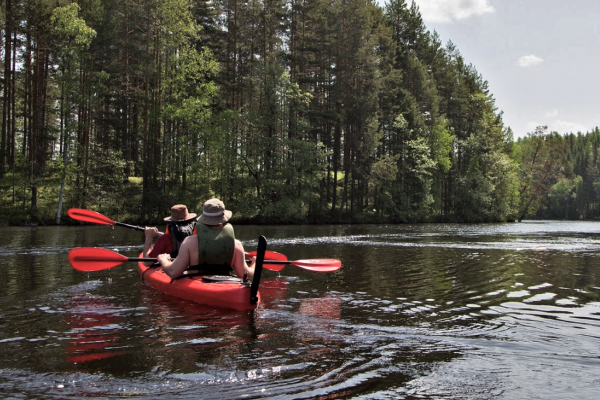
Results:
x,y
72,32
543,159
290,111
561,197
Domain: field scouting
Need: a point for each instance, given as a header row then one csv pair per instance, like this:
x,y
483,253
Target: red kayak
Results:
x,y
213,290
218,291
221,291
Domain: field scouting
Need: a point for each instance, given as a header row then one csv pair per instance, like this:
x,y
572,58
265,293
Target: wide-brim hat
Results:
x,y
214,213
179,213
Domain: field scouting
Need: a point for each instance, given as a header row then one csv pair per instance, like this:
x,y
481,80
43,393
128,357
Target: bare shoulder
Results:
x,y
190,242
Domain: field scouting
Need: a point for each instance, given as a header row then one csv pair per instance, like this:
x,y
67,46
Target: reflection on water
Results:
x,y
417,311
93,325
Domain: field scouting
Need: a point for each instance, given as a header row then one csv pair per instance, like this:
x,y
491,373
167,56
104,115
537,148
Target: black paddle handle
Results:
x,y
137,228
260,258
139,259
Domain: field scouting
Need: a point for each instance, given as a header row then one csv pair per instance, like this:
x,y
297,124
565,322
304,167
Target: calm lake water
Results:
x,y
502,311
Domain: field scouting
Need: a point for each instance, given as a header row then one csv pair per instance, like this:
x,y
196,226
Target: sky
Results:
x,y
541,58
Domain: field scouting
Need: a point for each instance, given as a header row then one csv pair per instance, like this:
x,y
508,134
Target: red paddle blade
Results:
x,y
271,256
89,216
272,267
318,264
94,259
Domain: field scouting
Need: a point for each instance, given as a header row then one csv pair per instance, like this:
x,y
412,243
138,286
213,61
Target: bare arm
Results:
x,y
176,267
149,233
238,262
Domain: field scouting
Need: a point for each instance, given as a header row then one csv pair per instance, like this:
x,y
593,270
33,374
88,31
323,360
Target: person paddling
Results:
x,y
180,224
214,250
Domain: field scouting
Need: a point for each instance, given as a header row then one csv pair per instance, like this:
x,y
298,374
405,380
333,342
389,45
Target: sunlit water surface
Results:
x,y
506,311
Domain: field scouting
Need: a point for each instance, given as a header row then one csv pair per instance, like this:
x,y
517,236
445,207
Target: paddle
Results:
x,y
276,261
92,216
80,214
313,264
95,259
90,259
271,256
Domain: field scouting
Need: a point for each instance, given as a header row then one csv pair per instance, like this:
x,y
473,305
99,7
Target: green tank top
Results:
x,y
215,246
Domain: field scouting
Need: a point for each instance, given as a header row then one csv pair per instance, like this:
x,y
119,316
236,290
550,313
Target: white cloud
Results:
x,y
452,10
530,127
529,61
563,127
558,125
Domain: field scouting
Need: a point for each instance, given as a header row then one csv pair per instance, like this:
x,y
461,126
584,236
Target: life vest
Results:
x,y
215,249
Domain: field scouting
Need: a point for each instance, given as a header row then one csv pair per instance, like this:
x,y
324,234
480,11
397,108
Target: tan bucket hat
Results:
x,y
214,213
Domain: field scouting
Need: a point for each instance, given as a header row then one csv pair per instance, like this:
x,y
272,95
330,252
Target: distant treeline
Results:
x,y
296,111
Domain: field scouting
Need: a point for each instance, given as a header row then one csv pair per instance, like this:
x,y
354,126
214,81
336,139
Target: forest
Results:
x,y
290,111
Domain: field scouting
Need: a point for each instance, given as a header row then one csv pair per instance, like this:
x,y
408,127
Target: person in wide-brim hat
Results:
x,y
179,213
180,224
215,250
214,213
